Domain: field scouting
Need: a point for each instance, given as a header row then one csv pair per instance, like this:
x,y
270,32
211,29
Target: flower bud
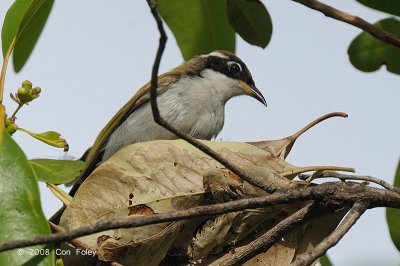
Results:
x,y
8,122
23,92
24,95
12,128
36,91
27,84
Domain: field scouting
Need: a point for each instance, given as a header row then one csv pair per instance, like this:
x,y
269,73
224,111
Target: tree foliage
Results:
x,y
199,26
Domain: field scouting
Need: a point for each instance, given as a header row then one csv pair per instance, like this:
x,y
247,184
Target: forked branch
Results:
x,y
329,193
262,243
351,218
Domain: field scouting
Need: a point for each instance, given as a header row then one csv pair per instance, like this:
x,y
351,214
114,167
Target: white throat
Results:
x,y
216,85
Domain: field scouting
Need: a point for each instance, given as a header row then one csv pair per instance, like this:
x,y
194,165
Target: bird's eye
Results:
x,y
234,66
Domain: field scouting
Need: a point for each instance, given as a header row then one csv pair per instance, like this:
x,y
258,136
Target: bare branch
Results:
x,y
244,253
332,194
371,179
351,218
179,133
77,243
358,22
154,73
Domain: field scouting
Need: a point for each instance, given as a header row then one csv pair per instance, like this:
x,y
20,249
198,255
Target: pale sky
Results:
x,y
93,56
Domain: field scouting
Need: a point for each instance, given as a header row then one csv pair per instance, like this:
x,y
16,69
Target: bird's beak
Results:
x,y
253,92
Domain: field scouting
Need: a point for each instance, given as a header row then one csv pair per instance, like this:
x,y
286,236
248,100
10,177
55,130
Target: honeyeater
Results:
x,y
190,97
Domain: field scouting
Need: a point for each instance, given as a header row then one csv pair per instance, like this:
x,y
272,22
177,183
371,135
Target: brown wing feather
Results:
x,y
93,155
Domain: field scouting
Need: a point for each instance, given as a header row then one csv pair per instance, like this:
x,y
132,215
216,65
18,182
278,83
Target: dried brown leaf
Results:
x,y
282,147
166,176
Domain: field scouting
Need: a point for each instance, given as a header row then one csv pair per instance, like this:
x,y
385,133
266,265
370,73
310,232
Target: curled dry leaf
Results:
x,y
282,147
166,176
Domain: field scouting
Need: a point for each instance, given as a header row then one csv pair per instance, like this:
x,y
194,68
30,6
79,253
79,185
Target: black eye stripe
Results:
x,y
222,65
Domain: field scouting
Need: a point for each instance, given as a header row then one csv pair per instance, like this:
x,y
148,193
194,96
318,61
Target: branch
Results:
x,y
244,253
358,22
351,218
180,133
154,72
371,179
333,194
77,243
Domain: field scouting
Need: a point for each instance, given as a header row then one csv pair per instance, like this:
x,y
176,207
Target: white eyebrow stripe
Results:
x,y
216,54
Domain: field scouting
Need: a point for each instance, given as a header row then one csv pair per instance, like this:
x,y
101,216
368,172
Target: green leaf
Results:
x,y
51,138
368,54
199,26
393,215
388,6
250,19
56,171
325,261
29,36
12,22
24,22
21,215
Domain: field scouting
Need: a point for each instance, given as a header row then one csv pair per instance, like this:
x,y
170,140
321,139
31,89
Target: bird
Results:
x,y
190,97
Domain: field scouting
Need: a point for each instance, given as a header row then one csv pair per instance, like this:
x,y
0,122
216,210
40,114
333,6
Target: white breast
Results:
x,y
194,105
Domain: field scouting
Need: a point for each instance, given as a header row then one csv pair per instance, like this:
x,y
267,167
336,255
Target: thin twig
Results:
x,y
371,179
77,243
179,133
262,243
351,218
358,22
154,73
331,193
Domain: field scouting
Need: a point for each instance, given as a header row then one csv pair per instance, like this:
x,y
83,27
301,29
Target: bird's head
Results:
x,y
227,70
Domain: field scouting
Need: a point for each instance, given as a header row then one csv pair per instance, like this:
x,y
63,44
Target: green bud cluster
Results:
x,y
26,93
10,126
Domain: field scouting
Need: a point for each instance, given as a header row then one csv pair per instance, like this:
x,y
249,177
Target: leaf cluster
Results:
x,y
367,53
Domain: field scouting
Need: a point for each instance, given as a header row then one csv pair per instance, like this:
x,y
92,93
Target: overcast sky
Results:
x,y
93,56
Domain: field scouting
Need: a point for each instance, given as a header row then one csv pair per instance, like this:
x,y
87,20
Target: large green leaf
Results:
x,y
12,22
56,171
24,22
250,19
21,215
199,26
29,36
388,6
393,215
368,54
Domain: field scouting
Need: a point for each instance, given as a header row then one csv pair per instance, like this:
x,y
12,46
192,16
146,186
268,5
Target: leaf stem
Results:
x,y
4,70
317,168
2,120
317,121
25,131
